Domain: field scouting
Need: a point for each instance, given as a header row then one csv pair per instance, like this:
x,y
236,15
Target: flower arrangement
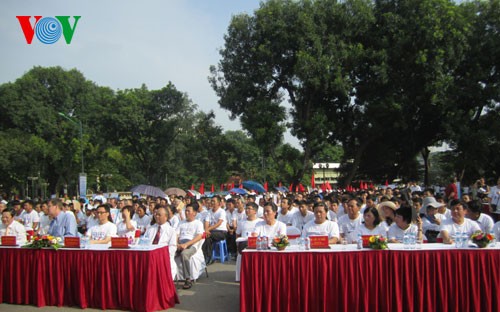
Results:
x,y
49,241
280,242
377,242
481,239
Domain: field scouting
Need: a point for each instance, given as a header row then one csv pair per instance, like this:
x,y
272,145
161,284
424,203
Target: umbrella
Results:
x,y
193,193
281,189
148,190
252,185
175,191
238,191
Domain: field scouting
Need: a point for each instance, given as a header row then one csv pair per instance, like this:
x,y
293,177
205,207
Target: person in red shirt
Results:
x,y
451,191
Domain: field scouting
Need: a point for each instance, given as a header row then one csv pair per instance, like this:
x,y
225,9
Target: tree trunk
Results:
x,y
355,164
425,155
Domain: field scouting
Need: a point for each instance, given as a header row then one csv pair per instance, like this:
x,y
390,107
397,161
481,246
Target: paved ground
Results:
x,y
216,293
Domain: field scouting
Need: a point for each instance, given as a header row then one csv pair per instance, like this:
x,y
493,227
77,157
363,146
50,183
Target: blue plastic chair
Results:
x,y
219,251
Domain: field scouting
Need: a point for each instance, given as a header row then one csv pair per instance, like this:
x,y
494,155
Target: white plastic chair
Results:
x,y
292,232
197,263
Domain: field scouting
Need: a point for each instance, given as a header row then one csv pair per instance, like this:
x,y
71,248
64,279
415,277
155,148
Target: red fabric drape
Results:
x,y
437,280
116,279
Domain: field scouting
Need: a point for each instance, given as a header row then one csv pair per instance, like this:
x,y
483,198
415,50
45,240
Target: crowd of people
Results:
x,y
183,223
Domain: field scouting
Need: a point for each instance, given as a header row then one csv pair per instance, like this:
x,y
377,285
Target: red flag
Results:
x,y
301,187
266,187
386,183
202,188
371,185
241,185
361,184
212,189
222,187
280,184
313,183
323,187
192,187
290,187
328,186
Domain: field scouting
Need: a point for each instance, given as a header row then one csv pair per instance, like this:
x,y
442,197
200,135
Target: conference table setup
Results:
x,y
136,278
430,277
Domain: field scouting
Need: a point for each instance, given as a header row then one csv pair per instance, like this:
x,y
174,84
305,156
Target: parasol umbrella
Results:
x,y
148,190
175,191
238,190
281,189
194,193
255,186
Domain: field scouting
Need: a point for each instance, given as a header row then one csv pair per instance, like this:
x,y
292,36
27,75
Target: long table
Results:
x,y
435,278
138,280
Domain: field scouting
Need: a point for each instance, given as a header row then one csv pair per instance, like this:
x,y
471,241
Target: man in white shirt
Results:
x,y
300,218
190,231
494,200
320,225
285,215
215,228
457,223
30,217
484,221
9,227
350,221
231,217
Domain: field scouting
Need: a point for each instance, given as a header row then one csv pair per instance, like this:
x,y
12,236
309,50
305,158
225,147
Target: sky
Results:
x,y
123,44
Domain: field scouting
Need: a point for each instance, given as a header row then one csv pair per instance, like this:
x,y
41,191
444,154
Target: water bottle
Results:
x,y
458,238
307,243
406,241
413,240
259,243
265,243
300,243
465,240
359,241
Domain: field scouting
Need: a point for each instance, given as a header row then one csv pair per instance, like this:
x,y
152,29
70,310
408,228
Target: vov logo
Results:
x,y
48,30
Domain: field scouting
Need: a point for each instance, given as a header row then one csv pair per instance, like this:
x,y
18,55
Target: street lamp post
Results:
x,y
83,176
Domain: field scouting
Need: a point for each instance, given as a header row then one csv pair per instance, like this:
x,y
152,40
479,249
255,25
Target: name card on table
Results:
x,y
72,242
9,241
252,242
319,241
119,242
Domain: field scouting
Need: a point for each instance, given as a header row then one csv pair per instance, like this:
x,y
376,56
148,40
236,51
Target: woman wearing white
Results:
x,y
371,224
321,225
127,226
270,227
141,218
105,229
402,225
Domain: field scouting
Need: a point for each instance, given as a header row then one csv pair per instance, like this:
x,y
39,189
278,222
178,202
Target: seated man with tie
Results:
x,y
161,233
9,227
63,224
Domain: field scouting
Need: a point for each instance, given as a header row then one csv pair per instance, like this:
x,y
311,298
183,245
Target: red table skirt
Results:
x,y
117,279
430,280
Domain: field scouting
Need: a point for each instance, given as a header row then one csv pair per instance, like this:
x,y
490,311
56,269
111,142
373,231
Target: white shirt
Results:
x,y
116,215
28,219
245,228
186,230
485,222
44,223
240,217
329,228
143,222
14,229
285,218
451,227
121,229
167,235
213,217
298,220
363,230
428,225
348,226
101,231
174,222
231,217
263,229
395,232
494,196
